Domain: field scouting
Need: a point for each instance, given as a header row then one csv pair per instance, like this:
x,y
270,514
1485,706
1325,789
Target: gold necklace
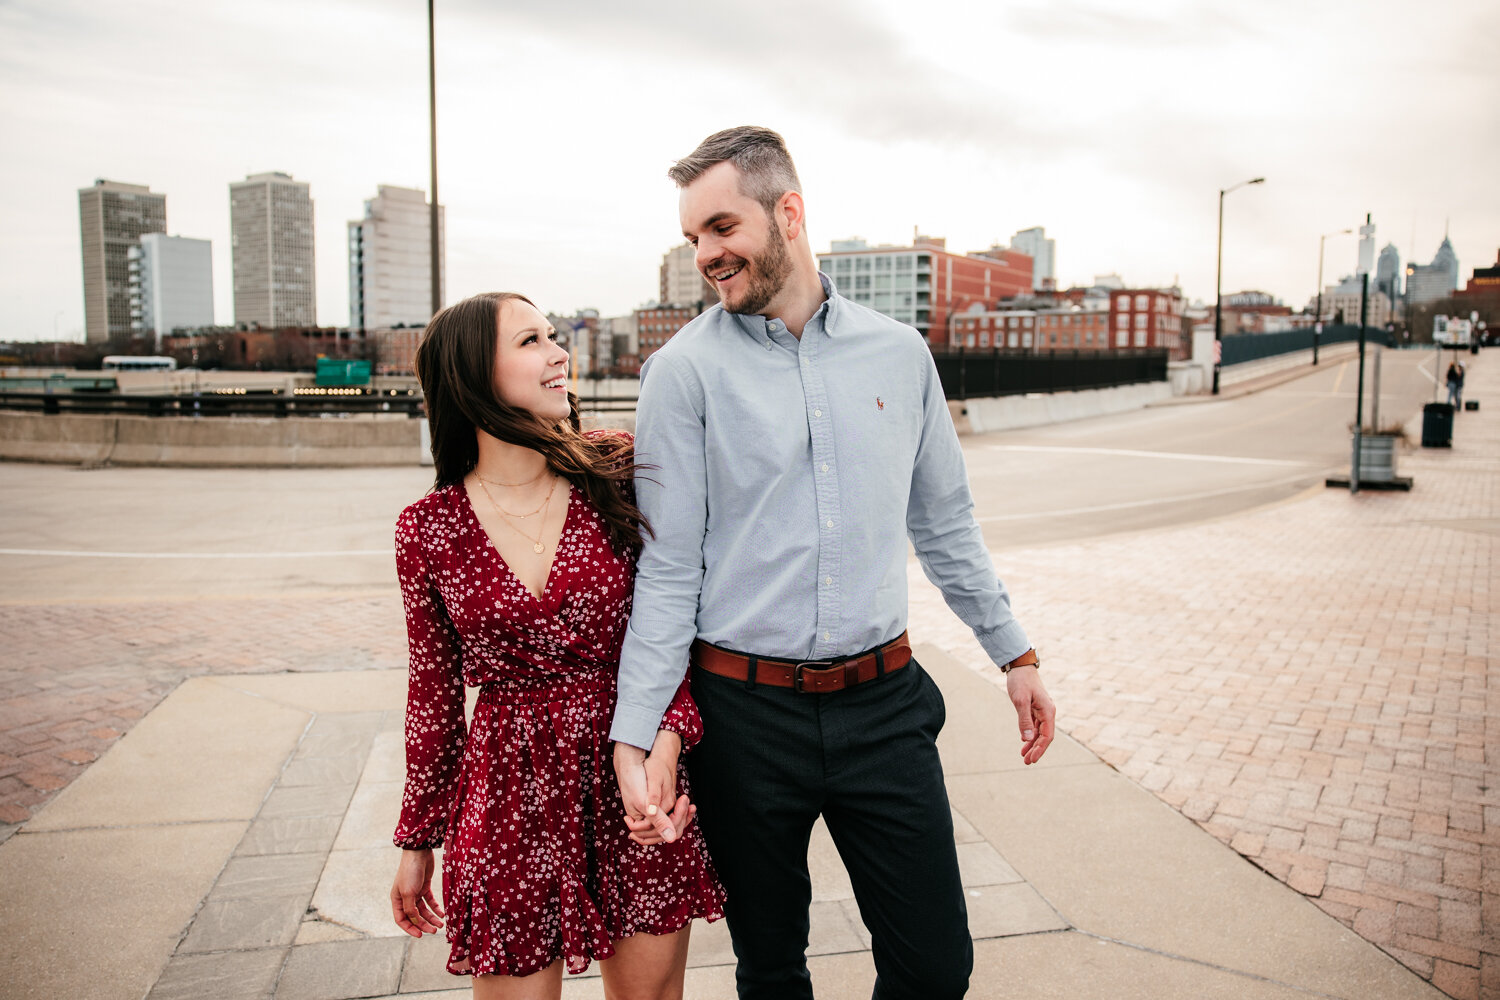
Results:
x,y
519,517
496,482
536,543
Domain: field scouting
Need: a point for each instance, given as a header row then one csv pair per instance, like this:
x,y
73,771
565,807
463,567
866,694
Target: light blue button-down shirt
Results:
x,y
786,476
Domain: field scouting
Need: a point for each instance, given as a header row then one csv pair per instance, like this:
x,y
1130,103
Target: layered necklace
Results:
x,y
510,518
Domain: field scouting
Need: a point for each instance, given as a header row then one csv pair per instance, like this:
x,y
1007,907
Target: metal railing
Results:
x,y
211,404
967,374
1242,347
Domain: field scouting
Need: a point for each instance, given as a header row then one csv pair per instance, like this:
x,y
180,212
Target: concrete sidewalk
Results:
x,y
236,844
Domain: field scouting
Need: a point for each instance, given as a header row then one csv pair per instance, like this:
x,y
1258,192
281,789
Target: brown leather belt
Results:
x,y
804,676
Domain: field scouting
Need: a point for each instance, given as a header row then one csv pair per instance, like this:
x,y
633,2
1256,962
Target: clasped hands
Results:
x,y
654,812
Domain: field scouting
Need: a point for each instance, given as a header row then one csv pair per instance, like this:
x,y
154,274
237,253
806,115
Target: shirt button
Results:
x,y
768,345
825,466
828,581
826,637
817,413
830,524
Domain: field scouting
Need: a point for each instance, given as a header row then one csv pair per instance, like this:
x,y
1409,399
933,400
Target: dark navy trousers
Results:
x,y
866,759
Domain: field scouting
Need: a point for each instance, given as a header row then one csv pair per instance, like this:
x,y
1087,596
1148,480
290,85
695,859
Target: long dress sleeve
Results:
x,y
435,731
682,717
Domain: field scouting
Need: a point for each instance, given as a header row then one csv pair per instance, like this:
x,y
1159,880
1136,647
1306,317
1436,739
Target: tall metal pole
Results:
x,y
1359,392
1219,297
1219,282
437,286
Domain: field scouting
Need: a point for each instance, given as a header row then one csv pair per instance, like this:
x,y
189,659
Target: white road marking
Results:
x,y
1101,508
1130,453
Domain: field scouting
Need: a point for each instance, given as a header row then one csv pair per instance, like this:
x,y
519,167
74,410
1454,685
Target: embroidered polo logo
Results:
x,y
879,404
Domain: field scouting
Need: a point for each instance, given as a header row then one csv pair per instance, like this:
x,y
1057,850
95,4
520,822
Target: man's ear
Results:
x,y
791,212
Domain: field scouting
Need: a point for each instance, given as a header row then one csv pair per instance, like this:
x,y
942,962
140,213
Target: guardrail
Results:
x,y
1000,372
228,404
1241,347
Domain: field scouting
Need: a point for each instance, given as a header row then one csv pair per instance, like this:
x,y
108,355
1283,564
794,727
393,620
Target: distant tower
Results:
x,y
1388,272
1033,243
271,227
1431,282
681,283
390,260
171,285
113,218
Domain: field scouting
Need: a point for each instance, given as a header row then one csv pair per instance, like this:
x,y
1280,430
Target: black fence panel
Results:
x,y
1241,347
967,374
212,404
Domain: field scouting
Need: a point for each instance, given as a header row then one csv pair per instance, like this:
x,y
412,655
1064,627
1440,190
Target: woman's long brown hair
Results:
x,y
456,367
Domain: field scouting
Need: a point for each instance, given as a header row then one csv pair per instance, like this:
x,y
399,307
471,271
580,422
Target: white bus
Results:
x,y
133,363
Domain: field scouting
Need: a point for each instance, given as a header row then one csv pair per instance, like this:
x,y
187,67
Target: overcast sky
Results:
x,y
1113,123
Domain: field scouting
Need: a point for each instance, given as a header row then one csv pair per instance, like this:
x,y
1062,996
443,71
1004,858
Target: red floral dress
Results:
x,y
538,864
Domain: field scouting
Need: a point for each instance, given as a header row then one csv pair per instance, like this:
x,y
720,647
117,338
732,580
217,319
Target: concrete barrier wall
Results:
x,y
979,416
127,440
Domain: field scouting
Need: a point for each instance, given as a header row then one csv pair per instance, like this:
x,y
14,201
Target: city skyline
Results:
x,y
1112,127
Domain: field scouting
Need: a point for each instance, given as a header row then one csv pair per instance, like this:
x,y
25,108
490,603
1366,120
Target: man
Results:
x,y
793,439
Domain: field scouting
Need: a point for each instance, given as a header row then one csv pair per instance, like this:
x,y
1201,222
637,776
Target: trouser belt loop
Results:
x,y
879,663
750,675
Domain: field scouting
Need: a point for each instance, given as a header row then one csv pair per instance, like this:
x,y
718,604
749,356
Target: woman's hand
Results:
x,y
661,795
412,902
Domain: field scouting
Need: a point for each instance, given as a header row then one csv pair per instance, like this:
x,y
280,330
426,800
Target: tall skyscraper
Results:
x,y
171,285
1033,243
1388,272
681,284
271,226
112,218
390,260
1431,282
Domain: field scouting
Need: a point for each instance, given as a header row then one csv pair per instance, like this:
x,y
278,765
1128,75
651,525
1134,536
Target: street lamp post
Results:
x,y
1318,319
1219,282
437,287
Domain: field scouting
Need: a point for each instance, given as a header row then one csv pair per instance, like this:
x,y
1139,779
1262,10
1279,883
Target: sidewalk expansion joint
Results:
x,y
1209,965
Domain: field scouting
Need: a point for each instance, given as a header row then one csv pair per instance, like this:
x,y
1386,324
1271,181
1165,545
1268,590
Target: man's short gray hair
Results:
x,y
766,170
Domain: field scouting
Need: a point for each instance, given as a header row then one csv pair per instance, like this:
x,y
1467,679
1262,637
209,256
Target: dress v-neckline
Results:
x,y
490,542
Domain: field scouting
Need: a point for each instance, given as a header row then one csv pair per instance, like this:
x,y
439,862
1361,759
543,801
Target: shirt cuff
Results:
x,y
1005,643
638,726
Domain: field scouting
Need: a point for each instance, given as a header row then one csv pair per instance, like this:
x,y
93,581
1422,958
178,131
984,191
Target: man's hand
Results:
x,y
1034,711
412,902
647,797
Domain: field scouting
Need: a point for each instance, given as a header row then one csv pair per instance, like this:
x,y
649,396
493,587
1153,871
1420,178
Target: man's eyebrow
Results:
x,y
712,221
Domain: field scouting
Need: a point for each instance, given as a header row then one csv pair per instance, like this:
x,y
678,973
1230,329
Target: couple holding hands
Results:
x,y
720,601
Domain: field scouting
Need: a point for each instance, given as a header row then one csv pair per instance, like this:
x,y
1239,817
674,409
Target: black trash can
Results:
x,y
1437,425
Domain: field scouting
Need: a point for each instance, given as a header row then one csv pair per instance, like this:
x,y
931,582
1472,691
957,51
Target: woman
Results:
x,y
516,574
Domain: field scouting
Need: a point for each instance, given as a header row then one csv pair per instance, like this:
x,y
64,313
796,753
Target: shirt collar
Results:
x,y
831,311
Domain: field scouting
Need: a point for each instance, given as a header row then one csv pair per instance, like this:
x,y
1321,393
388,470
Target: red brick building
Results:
x,y
1033,330
655,325
1147,317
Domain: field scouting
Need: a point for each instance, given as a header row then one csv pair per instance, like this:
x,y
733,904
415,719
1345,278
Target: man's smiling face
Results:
x,y
739,248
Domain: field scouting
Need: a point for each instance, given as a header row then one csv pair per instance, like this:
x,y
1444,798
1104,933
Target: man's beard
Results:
x,y
767,271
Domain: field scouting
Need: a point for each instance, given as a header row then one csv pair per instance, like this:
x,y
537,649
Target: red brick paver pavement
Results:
x,y
77,676
1317,684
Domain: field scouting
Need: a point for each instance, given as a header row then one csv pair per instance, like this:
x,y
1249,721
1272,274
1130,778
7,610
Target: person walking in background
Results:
x,y
1456,385
516,574
795,439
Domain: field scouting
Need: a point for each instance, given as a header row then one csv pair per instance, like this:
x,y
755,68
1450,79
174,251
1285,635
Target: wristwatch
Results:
x,y
1026,659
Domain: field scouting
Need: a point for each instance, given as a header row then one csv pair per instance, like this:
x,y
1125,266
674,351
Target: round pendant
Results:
x,y
537,548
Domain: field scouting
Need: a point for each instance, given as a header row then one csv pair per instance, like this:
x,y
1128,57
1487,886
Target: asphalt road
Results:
x,y
114,534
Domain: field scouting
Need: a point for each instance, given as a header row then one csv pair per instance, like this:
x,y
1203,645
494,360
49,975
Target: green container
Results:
x,y
337,372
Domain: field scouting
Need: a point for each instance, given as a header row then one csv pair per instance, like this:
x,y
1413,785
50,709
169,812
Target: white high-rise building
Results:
x,y
390,260
271,227
171,285
112,218
681,283
1033,243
